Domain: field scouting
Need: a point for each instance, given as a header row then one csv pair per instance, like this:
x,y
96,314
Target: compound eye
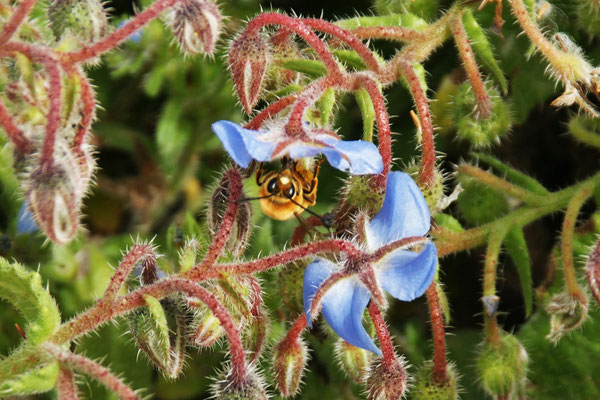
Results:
x,y
272,185
290,192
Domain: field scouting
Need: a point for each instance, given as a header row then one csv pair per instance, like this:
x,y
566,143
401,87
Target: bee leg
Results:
x,y
259,174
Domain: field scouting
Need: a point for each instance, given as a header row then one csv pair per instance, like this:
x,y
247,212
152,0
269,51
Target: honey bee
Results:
x,y
289,191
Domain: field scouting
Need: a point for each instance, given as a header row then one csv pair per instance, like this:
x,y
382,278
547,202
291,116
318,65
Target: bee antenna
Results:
x,y
245,199
323,221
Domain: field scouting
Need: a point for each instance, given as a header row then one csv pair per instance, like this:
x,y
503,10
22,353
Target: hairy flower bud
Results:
x,y
387,382
83,19
353,360
206,329
425,387
289,288
479,203
255,334
226,388
592,272
502,366
196,25
480,131
289,360
567,313
249,60
242,226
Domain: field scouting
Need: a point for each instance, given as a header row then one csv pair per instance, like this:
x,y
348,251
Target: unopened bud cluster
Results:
x,y
196,26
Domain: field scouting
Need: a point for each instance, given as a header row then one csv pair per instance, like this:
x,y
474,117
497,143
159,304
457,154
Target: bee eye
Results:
x,y
291,191
272,185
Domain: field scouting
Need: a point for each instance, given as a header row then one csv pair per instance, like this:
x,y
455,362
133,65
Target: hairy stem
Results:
x,y
15,20
568,232
93,369
483,105
489,284
15,134
440,364
387,346
66,389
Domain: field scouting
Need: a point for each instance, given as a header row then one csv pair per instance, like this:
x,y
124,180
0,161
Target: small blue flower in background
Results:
x,y
404,274
25,221
243,145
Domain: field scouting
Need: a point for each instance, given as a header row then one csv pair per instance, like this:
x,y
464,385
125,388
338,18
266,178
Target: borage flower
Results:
x,y
358,157
402,221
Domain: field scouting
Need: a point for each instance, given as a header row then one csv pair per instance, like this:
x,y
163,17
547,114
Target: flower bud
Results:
x,y
353,360
387,382
478,130
567,313
289,360
479,203
206,328
425,387
434,192
226,388
502,366
84,19
53,200
357,194
255,334
249,60
196,25
242,226
283,47
188,255
592,272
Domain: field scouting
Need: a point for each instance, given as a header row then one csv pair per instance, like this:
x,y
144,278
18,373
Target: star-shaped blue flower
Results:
x,y
404,274
358,157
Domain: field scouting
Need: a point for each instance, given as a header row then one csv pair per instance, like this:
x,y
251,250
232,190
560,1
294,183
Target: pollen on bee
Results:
x,y
284,180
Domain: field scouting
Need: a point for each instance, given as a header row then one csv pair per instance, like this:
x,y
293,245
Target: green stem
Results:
x,y
489,282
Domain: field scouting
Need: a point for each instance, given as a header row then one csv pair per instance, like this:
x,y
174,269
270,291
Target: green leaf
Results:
x,y
513,175
25,291
160,328
326,104
172,137
312,68
483,48
154,80
350,58
517,250
365,104
38,380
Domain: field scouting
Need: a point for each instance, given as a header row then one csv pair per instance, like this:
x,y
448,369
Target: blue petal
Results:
x,y
314,275
25,221
242,144
343,305
364,157
406,275
404,212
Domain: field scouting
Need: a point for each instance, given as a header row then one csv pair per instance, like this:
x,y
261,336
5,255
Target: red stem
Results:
x,y
121,34
89,105
483,105
440,363
93,369
66,389
15,134
383,125
15,20
387,347
296,329
303,31
271,110
235,192
427,169
348,38
136,255
266,263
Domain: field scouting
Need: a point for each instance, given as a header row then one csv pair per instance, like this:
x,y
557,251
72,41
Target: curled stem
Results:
x,y
301,30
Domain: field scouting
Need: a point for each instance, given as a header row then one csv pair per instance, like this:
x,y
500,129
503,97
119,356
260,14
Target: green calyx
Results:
x,y
479,203
425,386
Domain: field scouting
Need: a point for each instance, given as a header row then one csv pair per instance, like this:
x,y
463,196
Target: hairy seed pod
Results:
x,y
289,361
196,25
425,387
387,382
84,19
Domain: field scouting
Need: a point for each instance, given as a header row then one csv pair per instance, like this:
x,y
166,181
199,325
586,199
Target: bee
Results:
x,y
289,191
